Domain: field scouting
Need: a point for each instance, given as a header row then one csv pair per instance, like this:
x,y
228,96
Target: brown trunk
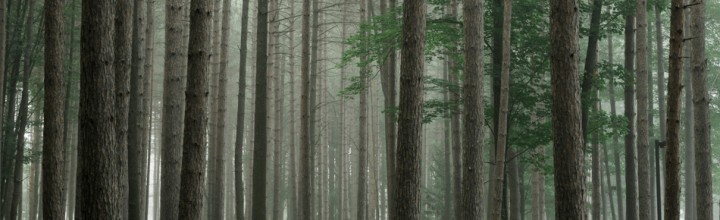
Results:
x,y
629,92
305,189
567,128
122,65
261,106
362,204
641,81
473,113
703,160
53,184
32,190
588,101
98,178
412,67
672,160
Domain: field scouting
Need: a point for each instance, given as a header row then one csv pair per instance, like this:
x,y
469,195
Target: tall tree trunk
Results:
x,y
615,141
261,106
538,192
173,112
502,117
362,203
473,113
588,101
672,160
98,178
193,160
341,156
3,38
567,128
240,129
660,91
629,91
33,192
447,214
689,124
136,121
149,51
305,189
641,80
455,131
388,81
514,186
703,160
22,120
278,108
412,67
122,64
53,184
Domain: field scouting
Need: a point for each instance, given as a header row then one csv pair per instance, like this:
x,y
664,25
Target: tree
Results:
x,y
643,145
566,119
703,159
502,113
239,132
305,191
388,81
136,121
362,206
261,106
407,200
98,176
672,149
122,64
3,38
629,92
173,108
53,184
193,160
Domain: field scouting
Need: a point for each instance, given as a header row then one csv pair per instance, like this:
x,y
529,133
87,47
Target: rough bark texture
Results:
x,y
641,82
703,159
566,119
388,81
240,129
362,173
136,121
53,184
261,106
123,59
473,113
407,200
3,38
629,92
173,112
193,160
98,179
672,149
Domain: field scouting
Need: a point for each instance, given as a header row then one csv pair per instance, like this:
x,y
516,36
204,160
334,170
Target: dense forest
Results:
x,y
359,109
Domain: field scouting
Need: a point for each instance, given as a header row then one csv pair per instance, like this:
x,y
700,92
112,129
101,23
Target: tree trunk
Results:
x,y
193,160
615,141
98,178
703,160
22,120
3,38
513,186
217,194
53,184
660,90
538,193
240,129
641,80
689,124
362,203
32,191
407,200
261,107
567,128
473,113
672,152
305,189
136,121
629,90
123,60
588,101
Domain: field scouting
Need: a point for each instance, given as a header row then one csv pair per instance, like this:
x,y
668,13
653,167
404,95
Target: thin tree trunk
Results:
x,y
388,81
362,206
672,152
641,79
660,89
567,128
136,121
615,141
629,91
33,192
588,96
689,125
123,78
240,129
261,107
305,190
513,185
407,200
149,50
3,38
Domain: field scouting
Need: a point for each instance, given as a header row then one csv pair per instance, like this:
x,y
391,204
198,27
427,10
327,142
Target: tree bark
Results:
x,y
123,61
98,179
239,131
473,113
566,126
3,38
53,184
305,189
629,91
362,195
173,112
703,159
641,81
136,121
388,81
672,150
689,123
193,160
32,190
407,200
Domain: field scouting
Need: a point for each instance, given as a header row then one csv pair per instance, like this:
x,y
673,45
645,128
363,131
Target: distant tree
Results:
x,y
629,93
239,133
136,121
